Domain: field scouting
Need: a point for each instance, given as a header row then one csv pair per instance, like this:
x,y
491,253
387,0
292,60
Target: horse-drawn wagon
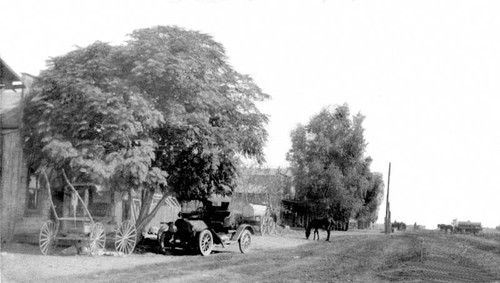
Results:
x,y
260,216
80,227
467,227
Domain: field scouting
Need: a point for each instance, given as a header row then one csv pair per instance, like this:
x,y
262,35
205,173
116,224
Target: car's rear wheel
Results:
x,y
245,241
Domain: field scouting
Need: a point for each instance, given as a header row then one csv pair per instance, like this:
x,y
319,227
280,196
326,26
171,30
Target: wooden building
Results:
x,y
264,186
23,202
12,169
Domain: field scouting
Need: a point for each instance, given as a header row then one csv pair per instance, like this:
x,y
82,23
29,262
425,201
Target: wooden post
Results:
x,y
387,206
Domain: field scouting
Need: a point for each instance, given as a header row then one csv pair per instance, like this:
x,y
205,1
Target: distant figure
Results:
x,y
326,224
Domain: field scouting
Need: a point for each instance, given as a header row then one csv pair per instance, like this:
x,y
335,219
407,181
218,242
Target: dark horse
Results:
x,y
323,223
400,226
445,228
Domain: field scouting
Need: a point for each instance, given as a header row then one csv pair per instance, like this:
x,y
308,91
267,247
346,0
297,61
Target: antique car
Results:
x,y
210,225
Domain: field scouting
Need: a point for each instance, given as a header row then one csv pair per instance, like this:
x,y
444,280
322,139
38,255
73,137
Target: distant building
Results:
x,y
264,185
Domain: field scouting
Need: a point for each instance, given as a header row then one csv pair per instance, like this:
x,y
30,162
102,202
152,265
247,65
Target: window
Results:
x,y
33,192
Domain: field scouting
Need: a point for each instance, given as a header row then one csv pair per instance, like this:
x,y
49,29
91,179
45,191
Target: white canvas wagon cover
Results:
x,y
250,210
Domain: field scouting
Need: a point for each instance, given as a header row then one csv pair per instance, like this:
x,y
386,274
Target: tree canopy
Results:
x,y
328,162
163,112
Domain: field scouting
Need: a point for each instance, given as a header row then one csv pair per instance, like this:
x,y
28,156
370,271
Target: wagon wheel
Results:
x,y
126,237
263,226
271,226
97,239
245,241
47,239
205,242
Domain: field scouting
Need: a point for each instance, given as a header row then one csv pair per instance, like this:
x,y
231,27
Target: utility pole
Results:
x,y
387,205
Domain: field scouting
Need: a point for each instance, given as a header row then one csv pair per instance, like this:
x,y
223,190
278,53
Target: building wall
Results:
x,y
13,170
33,216
167,213
13,183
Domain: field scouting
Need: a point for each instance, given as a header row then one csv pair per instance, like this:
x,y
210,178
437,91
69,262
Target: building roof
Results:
x,y
267,171
12,89
8,78
261,180
10,97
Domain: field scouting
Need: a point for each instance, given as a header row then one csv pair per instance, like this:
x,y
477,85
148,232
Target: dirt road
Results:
x,y
348,257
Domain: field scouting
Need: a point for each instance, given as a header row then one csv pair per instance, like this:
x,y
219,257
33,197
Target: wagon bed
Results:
x,y
82,228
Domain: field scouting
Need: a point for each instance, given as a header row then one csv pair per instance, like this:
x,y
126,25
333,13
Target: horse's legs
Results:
x,y
316,232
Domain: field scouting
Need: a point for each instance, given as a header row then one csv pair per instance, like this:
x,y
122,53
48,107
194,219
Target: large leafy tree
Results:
x,y
331,171
209,107
163,113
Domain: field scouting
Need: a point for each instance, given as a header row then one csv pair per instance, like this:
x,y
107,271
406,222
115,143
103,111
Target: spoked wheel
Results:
x,y
245,241
126,237
263,226
271,226
47,239
97,238
205,242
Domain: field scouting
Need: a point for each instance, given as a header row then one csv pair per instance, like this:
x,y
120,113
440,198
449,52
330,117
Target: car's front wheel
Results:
x,y
205,242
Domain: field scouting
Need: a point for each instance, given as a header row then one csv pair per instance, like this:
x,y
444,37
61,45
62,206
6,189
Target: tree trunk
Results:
x,y
146,217
146,199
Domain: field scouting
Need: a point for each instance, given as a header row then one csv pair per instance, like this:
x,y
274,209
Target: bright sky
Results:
x,y
426,74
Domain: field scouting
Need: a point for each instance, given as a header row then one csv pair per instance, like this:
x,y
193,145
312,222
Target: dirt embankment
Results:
x,y
358,256
438,257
